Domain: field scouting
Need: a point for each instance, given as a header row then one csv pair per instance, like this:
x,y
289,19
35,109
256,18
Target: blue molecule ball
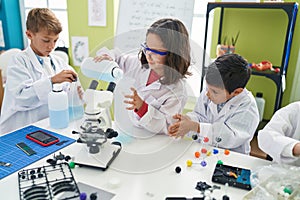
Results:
x,y
203,163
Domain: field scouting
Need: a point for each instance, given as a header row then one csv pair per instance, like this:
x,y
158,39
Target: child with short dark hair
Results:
x,y
32,72
225,104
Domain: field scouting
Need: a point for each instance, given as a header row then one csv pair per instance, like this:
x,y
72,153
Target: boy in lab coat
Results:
x,y
226,111
29,78
280,138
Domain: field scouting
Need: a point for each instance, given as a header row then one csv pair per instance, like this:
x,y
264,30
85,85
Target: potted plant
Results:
x,y
228,45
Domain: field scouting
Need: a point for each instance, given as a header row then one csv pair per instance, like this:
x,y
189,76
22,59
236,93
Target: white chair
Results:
x,y
62,55
5,59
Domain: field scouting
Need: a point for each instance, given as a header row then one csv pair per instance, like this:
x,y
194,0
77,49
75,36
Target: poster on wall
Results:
x,y
2,43
80,49
97,12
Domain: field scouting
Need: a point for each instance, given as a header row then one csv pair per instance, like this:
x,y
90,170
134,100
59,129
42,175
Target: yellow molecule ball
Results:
x,y
189,163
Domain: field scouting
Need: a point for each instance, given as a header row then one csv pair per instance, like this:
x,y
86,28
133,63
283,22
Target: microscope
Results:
x,y
96,128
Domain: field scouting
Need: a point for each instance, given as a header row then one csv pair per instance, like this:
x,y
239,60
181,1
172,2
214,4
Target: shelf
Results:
x,y
290,9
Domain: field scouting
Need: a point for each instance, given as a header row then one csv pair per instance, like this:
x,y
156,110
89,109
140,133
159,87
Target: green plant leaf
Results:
x,y
234,40
225,40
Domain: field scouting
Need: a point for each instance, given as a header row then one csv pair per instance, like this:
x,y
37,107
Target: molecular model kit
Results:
x,y
205,150
227,175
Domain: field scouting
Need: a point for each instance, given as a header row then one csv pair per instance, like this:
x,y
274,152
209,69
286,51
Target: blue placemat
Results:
x,y
10,153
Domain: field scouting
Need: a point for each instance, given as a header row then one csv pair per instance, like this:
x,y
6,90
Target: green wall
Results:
x,y
262,36
78,26
293,75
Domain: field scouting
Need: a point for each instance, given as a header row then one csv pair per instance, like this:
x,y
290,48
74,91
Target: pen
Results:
x,y
5,164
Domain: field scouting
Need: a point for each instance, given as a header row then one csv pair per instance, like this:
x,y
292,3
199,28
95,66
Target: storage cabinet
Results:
x,y
284,36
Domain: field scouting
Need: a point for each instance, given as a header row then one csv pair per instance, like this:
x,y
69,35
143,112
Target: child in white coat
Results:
x,y
29,79
226,111
159,71
280,138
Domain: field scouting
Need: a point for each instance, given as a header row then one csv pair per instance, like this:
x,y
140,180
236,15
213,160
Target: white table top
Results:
x,y
145,169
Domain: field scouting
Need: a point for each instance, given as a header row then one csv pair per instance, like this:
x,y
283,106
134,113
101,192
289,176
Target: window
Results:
x,y
197,42
198,26
59,7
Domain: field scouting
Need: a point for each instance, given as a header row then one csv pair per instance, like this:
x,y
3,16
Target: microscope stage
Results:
x,y
108,152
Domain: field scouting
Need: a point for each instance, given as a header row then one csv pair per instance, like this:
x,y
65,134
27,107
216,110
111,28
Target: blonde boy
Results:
x,y
32,72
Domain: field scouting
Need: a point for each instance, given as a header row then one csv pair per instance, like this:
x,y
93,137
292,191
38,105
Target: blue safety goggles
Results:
x,y
145,49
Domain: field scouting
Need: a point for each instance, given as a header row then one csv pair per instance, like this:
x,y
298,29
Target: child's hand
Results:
x,y
182,126
102,57
296,149
135,100
65,75
80,92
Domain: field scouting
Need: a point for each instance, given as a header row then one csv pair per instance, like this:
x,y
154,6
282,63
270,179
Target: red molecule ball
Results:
x,y
203,150
205,139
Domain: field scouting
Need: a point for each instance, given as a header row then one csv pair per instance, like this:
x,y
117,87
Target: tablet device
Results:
x,y
42,138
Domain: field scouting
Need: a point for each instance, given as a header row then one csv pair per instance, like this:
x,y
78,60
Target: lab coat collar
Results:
x,y
156,85
214,109
40,59
33,58
233,102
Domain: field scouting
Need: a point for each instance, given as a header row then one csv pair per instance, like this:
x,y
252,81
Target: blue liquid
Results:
x,y
59,119
98,76
76,112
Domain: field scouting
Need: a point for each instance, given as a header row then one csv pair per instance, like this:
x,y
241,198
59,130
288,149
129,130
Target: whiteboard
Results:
x,y
136,16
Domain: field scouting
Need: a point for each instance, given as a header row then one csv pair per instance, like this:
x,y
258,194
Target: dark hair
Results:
x,y
43,18
228,71
175,38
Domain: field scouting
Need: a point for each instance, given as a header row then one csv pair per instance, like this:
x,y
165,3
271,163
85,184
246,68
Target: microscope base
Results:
x,y
108,152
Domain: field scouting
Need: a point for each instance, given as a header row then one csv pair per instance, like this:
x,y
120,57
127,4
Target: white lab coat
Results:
x,y
163,101
280,135
235,124
26,90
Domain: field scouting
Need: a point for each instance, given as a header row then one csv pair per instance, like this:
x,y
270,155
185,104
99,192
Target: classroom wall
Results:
x,y
266,29
262,36
97,36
